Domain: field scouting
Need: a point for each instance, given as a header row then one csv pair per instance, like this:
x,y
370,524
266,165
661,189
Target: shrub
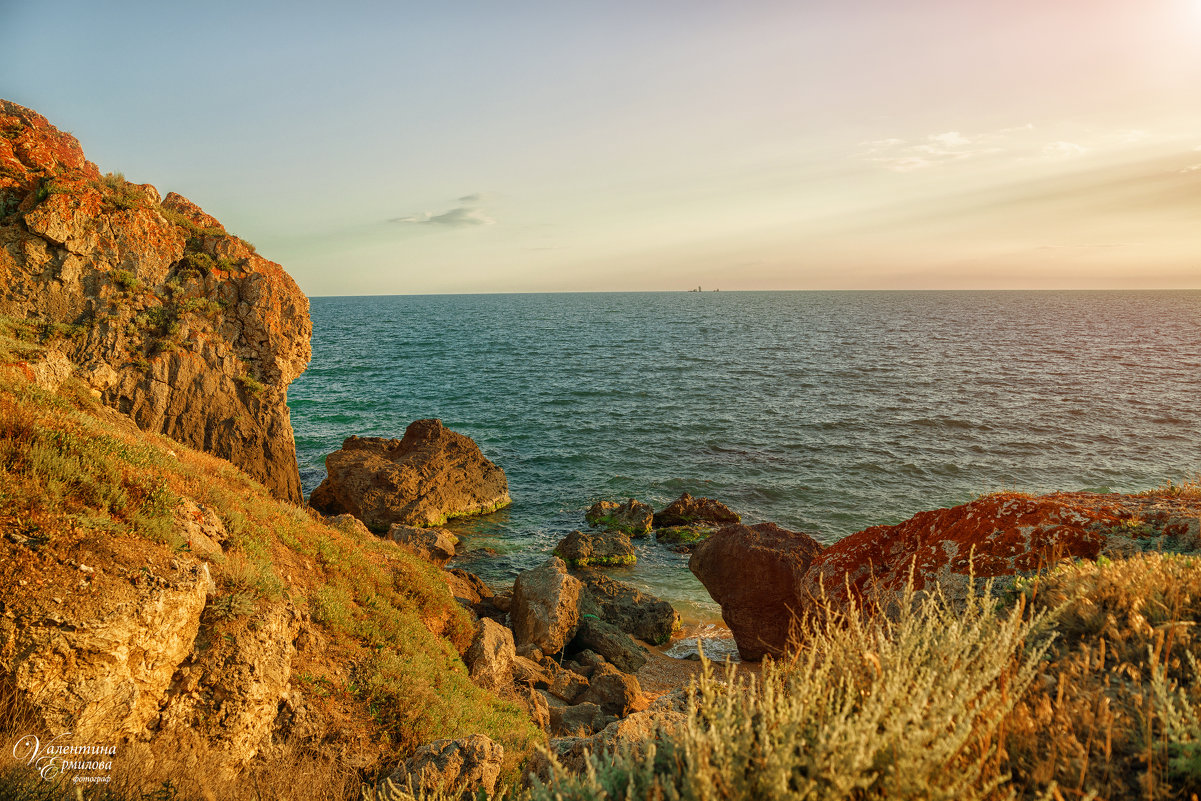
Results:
x,y
126,281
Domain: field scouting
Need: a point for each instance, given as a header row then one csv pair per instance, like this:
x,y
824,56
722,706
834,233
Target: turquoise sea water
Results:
x,y
821,411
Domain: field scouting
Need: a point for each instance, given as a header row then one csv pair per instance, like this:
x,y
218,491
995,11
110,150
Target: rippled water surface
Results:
x,y
821,411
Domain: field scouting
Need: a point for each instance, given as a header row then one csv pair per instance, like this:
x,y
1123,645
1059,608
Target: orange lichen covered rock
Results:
x,y
170,319
998,535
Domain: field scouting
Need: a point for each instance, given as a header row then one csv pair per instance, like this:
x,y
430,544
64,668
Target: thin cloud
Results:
x,y
469,214
901,155
1063,150
1191,168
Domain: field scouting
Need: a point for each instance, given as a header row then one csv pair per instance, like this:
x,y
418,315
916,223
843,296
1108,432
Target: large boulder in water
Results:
x,y
429,476
596,549
545,606
753,572
632,517
689,511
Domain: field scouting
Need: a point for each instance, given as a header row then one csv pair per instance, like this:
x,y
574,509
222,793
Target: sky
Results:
x,y
406,148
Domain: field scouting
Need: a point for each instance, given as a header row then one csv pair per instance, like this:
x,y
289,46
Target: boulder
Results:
x,y
535,705
613,691
529,673
579,720
753,573
463,767
596,549
348,523
568,685
468,588
429,476
610,642
632,517
490,656
634,612
688,511
435,544
998,535
665,718
683,539
545,606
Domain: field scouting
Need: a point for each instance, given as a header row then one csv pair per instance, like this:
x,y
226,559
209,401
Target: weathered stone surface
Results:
x,y
613,691
684,539
665,718
596,549
634,612
535,705
429,476
102,670
464,766
632,517
610,642
545,607
175,322
578,720
568,685
753,573
530,673
348,523
997,535
202,529
490,656
434,544
467,587
688,511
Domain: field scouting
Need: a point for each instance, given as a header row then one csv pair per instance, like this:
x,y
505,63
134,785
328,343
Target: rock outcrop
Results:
x,y
171,319
688,511
998,535
753,572
490,656
434,544
632,517
429,476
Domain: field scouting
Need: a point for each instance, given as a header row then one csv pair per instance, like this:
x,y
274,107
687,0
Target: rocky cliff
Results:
x,y
176,322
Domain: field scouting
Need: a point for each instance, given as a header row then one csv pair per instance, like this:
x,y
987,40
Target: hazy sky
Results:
x,y
480,147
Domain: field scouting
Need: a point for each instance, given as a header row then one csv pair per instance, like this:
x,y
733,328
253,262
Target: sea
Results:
x,y
825,412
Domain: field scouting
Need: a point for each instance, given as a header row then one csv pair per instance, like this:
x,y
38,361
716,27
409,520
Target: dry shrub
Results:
x,y
908,707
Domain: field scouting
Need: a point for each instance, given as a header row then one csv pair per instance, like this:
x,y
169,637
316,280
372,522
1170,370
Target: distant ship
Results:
x,y
698,289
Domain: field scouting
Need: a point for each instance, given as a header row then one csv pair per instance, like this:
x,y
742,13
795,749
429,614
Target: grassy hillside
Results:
x,y
79,484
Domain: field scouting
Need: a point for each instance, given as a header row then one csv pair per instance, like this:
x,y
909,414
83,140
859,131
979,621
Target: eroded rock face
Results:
x,y
172,320
754,573
545,606
997,535
689,511
430,475
490,656
632,517
103,670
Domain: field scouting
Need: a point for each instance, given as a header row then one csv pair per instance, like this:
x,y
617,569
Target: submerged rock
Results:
x,y
545,606
632,517
429,476
684,539
688,511
753,573
596,549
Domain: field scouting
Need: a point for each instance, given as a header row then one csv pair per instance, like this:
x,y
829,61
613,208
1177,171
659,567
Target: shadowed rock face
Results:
x,y
171,319
689,511
753,573
429,476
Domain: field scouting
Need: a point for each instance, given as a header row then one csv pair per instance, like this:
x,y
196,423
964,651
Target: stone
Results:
x,y
464,767
753,573
613,691
468,588
530,673
535,705
202,529
568,685
490,656
214,373
688,511
596,549
683,539
578,720
633,517
545,607
348,523
639,614
435,544
665,718
610,642
430,475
